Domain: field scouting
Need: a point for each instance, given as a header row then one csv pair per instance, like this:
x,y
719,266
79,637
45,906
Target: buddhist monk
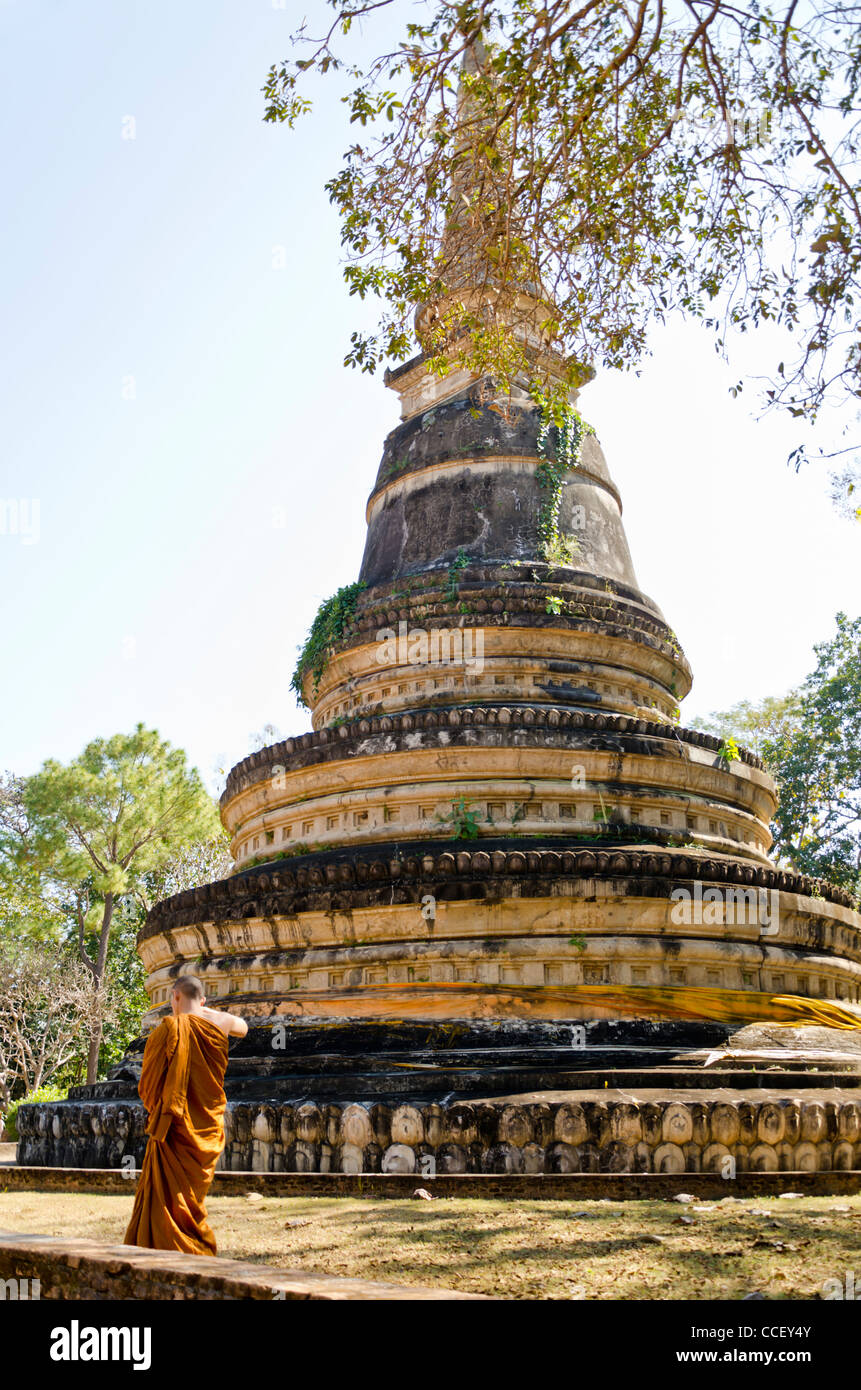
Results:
x,y
181,1086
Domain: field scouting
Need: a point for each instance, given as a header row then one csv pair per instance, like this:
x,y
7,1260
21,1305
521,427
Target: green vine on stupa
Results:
x,y
334,616
567,450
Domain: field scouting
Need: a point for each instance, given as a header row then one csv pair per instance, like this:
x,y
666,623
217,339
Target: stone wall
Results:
x,y
508,1187
758,1131
81,1134
658,1136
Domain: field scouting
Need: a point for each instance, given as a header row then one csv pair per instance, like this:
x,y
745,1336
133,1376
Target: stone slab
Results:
x,y
88,1269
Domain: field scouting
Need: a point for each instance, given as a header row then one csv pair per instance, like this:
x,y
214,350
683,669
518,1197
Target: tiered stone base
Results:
x,y
503,1098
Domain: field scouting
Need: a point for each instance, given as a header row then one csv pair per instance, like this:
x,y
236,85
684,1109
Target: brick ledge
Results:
x,y
83,1269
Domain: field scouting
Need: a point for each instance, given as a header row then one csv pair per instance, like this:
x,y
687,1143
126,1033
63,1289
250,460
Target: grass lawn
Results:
x,y
781,1248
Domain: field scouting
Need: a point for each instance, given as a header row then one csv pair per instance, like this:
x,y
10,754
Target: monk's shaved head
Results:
x,y
190,987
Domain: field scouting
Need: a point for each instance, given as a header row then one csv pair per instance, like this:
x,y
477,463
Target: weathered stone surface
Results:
x,y
570,1184
813,1122
770,1125
615,1134
669,1158
763,1158
849,1121
584,1134
70,1270
356,1126
407,1125
625,1125
479,725
399,1158
677,1126
714,1159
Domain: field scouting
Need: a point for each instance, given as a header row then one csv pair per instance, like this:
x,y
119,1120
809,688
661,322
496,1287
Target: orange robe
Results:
x,y
181,1086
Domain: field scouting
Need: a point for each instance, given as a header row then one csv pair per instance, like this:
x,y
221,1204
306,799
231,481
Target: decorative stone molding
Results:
x,y
348,737
530,783
459,975
361,882
583,1133
589,617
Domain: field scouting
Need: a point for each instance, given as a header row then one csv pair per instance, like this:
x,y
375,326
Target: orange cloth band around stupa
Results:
x,y
655,1001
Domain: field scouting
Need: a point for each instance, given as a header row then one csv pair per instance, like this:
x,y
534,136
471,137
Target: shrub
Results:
x,y
40,1093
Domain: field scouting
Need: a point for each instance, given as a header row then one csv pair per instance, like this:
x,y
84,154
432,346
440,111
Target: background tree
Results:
x,y
84,838
811,742
28,910
632,160
758,725
126,979
202,861
47,1004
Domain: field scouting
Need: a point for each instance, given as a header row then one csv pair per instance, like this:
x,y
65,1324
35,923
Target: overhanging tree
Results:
x,y
624,161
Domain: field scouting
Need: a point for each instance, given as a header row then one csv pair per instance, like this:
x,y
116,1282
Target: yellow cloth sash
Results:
x,y
650,1001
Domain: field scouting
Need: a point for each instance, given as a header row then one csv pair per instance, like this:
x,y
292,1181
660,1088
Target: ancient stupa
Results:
x,y
499,880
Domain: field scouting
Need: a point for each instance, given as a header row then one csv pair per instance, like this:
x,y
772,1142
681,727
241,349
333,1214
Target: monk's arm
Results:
x,y
228,1023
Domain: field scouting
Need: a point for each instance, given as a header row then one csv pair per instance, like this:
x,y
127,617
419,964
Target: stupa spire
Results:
x,y
481,254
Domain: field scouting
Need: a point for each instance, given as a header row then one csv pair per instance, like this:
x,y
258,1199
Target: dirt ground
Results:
x,y
777,1247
